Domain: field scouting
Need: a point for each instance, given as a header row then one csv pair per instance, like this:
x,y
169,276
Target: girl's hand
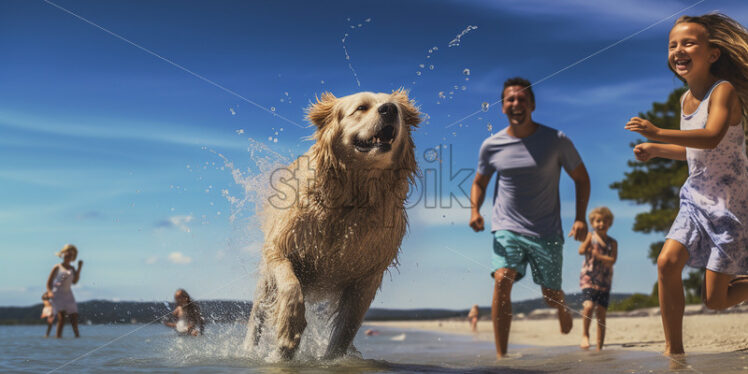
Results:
x,y
644,152
643,127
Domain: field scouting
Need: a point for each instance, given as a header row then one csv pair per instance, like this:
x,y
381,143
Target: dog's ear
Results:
x,y
321,112
411,114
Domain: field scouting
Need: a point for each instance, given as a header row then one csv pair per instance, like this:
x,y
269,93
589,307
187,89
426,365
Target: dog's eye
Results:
x,y
362,107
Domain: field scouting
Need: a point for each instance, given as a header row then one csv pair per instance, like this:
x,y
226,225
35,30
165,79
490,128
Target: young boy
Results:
x,y
600,252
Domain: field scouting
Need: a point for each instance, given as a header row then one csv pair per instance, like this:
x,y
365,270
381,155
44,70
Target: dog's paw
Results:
x,y
290,320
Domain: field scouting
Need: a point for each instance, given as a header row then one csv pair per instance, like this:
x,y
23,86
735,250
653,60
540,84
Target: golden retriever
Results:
x,y
337,219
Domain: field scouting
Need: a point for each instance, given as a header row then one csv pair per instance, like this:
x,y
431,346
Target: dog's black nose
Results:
x,y
388,112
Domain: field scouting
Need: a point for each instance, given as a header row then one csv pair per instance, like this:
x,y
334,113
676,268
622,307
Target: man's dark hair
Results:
x,y
517,81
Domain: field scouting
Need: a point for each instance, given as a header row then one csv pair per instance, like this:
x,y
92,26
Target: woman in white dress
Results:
x,y
60,281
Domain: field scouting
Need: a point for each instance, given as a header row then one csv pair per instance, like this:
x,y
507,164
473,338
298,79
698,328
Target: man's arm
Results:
x,y
582,187
477,194
585,244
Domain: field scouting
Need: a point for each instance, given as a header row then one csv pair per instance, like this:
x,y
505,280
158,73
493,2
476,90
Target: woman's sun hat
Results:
x,y
68,248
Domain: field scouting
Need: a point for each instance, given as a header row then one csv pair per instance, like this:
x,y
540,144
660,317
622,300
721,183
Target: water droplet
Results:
x,y
322,82
466,71
282,100
484,106
240,131
435,48
431,50
285,93
418,73
421,66
233,113
431,67
272,109
270,138
463,88
367,20
275,140
441,95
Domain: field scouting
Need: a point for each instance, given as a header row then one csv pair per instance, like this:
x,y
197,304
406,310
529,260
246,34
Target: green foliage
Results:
x,y
635,301
656,183
692,285
654,251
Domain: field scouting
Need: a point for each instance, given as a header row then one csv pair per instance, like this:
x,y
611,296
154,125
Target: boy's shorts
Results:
x,y
514,251
596,296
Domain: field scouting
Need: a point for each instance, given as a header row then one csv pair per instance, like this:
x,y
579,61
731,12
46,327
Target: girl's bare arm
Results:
x,y
77,272
722,100
51,278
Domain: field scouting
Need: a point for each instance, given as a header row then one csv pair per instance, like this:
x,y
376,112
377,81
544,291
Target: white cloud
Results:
x,y
179,258
180,222
608,93
637,12
132,129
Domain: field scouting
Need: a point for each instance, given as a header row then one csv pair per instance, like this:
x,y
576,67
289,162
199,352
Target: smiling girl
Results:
x,y
709,53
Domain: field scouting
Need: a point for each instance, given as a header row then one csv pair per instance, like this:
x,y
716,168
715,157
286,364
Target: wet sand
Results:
x,y
712,333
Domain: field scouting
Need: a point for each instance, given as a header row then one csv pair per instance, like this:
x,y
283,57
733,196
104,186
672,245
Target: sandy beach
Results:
x,y
702,333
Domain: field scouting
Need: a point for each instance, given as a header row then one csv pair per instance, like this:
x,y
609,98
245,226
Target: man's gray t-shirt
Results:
x,y
526,197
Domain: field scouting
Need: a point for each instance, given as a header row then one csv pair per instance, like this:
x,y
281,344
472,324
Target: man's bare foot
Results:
x,y
564,317
674,352
599,348
500,356
585,342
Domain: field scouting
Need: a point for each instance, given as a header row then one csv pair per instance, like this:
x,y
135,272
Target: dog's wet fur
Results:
x,y
338,218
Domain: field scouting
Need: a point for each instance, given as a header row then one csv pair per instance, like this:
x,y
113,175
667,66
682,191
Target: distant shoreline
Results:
x,y
222,311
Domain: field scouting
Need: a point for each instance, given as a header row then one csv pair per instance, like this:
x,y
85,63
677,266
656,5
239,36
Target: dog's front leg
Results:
x,y
353,304
264,299
289,320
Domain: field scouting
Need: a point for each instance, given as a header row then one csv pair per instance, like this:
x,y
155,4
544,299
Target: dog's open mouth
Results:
x,y
382,140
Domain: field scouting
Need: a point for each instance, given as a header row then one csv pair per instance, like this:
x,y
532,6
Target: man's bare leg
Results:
x,y
556,299
501,309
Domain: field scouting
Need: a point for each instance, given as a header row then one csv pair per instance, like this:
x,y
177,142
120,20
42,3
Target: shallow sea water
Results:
x,y
156,349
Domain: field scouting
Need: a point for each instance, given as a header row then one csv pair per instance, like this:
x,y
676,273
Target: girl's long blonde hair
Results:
x,y
732,40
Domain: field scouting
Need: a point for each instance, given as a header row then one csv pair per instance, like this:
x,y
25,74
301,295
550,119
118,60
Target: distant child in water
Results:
x,y
600,252
189,321
473,318
710,54
48,312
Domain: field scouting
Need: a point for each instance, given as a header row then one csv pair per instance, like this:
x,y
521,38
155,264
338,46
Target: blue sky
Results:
x,y
131,158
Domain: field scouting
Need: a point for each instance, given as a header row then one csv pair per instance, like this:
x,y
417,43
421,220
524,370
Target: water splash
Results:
x,y
456,41
345,50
